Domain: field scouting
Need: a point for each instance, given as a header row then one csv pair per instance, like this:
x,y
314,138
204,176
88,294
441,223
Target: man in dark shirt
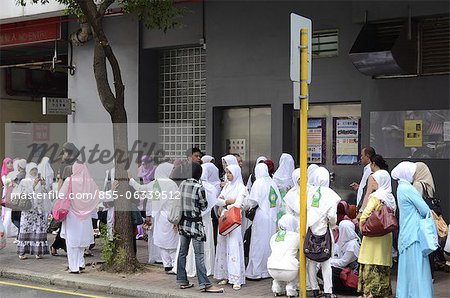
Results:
x,y
193,202
184,170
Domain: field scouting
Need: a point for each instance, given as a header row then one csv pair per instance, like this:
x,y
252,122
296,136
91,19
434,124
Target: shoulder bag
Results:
x,y
317,248
62,206
380,222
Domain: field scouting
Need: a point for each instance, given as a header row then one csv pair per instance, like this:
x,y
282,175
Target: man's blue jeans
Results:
x,y
182,279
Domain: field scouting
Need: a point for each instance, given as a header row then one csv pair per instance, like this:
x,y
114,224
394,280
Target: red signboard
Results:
x,y
30,32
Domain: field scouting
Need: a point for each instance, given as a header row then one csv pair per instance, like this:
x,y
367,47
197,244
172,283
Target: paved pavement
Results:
x,y
153,282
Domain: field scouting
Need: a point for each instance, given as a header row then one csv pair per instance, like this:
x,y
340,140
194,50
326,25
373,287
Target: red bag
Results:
x,y
230,221
62,206
349,278
380,222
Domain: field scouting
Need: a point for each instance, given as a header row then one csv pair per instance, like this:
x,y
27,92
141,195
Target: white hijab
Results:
x,y
208,178
207,159
293,195
46,171
30,166
311,169
283,175
210,173
288,223
328,197
230,160
233,189
404,171
261,190
260,159
384,191
346,235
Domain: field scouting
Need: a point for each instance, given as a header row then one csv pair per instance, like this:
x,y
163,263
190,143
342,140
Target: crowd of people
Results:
x,y
187,237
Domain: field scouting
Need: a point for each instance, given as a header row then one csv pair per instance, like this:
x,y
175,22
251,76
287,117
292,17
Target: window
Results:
x,y
434,46
182,95
325,43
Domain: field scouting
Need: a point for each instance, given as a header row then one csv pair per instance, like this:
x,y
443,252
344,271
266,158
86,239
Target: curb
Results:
x,y
89,283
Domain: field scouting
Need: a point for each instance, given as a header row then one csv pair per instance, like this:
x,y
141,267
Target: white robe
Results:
x,y
229,263
264,223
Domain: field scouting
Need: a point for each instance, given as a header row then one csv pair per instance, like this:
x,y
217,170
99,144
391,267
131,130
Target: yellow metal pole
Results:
x,y
303,151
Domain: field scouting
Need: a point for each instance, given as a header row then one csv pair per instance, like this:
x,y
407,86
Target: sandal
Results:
x,y
236,287
223,282
38,257
23,257
213,290
186,286
53,251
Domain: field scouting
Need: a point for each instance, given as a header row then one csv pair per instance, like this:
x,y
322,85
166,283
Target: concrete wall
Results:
x,y
248,63
91,124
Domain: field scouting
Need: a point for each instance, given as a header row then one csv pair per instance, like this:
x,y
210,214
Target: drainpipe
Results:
x,y
82,35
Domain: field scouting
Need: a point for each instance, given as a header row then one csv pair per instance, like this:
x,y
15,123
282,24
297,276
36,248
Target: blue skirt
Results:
x,y
414,274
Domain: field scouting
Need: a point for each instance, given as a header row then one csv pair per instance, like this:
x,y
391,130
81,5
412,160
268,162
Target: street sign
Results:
x,y
297,23
56,106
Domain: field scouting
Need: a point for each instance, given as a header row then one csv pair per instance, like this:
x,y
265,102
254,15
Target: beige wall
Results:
x,y
26,111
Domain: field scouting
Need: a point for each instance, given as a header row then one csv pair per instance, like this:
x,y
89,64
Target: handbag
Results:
x,y
349,278
380,222
441,225
433,203
136,216
428,237
317,248
176,211
229,221
20,202
250,213
62,206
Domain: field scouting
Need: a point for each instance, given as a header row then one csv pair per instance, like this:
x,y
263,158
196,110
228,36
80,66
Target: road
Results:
x,y
19,289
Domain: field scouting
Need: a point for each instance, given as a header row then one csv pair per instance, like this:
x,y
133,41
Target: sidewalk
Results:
x,y
154,283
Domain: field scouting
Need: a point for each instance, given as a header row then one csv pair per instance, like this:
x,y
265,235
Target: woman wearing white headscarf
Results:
x,y
251,177
375,255
228,160
292,198
266,195
283,175
209,174
46,172
32,237
18,177
346,254
283,263
77,227
310,171
322,208
414,272
229,265
207,159
165,237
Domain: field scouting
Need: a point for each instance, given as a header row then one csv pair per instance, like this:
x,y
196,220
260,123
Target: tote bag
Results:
x,y
62,206
428,237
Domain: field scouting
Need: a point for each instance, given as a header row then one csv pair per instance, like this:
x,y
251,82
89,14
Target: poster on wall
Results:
x,y
413,133
346,136
316,140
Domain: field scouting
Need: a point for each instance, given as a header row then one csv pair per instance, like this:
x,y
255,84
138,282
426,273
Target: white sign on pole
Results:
x,y
56,106
297,23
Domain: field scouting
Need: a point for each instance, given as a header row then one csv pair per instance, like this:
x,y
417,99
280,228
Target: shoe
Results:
x,y
213,289
186,286
38,257
74,272
236,287
316,293
53,251
82,268
16,241
223,282
23,257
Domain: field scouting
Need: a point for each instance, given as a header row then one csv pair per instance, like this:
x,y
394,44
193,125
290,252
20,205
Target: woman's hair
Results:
x,y
380,162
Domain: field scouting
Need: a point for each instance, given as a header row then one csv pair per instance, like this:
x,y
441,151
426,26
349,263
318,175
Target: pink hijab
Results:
x,y
85,191
5,170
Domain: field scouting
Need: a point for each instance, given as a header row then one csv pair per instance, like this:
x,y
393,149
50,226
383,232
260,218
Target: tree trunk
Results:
x,y
125,258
